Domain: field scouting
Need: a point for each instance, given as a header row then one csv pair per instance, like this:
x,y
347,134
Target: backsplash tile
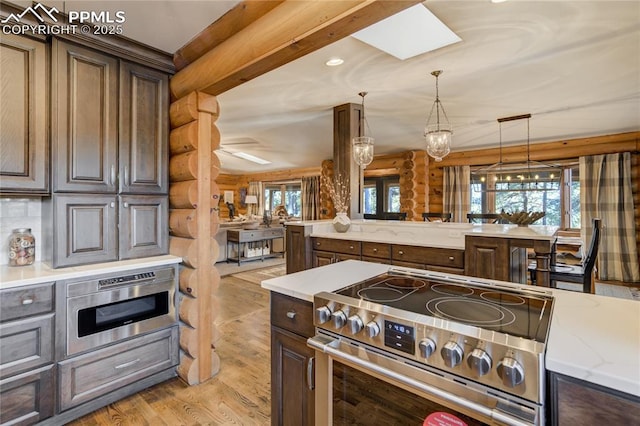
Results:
x,y
20,213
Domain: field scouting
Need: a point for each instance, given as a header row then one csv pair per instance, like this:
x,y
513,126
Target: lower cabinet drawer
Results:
x,y
97,373
25,344
27,398
292,314
26,301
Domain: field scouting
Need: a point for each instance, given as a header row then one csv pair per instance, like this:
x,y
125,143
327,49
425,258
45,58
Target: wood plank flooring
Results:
x,y
241,392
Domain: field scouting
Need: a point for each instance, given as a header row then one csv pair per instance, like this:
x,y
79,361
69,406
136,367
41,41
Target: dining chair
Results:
x,y
486,218
582,273
436,217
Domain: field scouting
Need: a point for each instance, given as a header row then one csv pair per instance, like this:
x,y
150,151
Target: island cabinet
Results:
x,y
576,402
292,361
328,250
432,258
376,252
27,321
503,259
24,145
299,248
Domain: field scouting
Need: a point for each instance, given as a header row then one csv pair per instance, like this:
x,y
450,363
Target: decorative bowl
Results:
x,y
522,218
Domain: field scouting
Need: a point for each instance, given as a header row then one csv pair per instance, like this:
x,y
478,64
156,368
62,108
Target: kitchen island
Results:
x,y
591,352
479,250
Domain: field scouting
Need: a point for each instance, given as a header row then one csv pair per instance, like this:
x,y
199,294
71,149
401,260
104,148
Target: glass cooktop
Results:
x,y
514,313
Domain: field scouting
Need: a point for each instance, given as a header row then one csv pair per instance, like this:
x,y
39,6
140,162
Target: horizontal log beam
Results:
x,y
289,31
232,22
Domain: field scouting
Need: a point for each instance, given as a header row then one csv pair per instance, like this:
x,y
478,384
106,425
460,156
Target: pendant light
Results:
x,y
438,135
363,144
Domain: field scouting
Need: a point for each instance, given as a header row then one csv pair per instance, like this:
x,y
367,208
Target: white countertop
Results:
x,y
16,276
592,338
428,234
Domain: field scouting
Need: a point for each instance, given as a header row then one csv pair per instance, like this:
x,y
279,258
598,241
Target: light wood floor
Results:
x,y
238,395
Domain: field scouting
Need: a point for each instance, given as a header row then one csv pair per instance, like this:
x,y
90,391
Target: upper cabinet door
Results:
x,y
84,119
144,121
24,141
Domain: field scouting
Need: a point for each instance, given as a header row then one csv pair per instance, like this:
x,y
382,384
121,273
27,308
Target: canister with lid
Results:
x,y
22,247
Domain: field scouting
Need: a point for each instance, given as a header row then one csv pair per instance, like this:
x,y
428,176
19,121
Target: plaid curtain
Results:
x,y
605,192
457,192
311,198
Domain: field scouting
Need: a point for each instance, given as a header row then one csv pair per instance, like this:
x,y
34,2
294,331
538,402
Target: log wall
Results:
x,y
193,221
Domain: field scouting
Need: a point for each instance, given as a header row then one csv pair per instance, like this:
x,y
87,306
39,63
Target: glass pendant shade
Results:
x,y
438,135
362,145
363,150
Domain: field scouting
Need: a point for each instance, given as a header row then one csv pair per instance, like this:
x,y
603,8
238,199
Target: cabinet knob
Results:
x,y
126,205
318,244
291,315
350,247
375,250
451,258
400,252
112,204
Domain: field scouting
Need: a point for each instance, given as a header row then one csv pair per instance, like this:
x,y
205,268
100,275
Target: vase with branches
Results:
x,y
339,192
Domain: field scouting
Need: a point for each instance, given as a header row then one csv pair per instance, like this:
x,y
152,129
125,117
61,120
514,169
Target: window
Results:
x,y
555,192
381,195
288,194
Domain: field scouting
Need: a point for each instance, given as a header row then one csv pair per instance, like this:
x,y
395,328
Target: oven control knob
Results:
x,y
479,361
323,314
427,347
373,329
511,372
355,324
452,354
339,319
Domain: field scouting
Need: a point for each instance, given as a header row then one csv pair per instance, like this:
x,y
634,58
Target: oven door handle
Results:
x,y
328,345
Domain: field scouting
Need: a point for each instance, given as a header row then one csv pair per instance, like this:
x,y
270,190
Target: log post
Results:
x,y
193,220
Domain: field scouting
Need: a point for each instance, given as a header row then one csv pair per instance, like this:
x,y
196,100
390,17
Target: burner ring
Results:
x,y
487,309
385,294
402,283
452,290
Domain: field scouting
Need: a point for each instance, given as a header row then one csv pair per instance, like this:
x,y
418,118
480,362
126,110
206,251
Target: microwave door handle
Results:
x,y
320,344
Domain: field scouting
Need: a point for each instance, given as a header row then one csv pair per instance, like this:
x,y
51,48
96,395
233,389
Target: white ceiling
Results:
x,y
574,65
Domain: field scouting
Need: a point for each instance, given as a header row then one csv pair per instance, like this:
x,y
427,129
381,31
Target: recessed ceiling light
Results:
x,y
250,157
334,62
498,1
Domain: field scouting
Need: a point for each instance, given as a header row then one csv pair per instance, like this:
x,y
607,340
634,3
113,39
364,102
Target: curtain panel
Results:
x,y
255,188
311,198
605,192
457,192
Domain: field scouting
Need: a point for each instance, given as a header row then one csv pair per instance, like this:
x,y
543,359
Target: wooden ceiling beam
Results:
x,y
287,32
232,22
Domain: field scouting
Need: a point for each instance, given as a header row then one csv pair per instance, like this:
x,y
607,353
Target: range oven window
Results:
x,y
105,317
359,397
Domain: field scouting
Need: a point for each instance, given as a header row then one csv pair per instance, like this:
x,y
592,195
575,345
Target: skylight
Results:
x,y
409,33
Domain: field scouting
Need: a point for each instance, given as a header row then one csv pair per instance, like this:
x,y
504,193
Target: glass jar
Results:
x,y
22,247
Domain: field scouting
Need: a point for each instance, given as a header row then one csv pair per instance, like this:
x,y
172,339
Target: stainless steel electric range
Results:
x,y
471,349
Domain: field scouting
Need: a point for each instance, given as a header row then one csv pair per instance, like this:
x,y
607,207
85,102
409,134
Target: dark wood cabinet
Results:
x,y
485,258
83,229
144,125
24,145
576,402
292,361
27,341
84,120
299,248
143,222
92,228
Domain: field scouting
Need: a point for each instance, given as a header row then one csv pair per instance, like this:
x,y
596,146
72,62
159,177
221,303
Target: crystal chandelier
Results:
x,y
438,135
363,144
